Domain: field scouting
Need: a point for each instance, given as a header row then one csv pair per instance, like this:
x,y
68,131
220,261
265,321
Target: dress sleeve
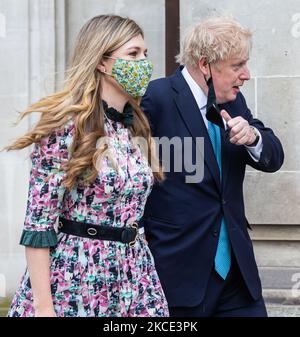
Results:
x,y
46,189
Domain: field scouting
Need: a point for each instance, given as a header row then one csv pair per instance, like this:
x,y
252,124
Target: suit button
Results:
x,y
215,233
223,202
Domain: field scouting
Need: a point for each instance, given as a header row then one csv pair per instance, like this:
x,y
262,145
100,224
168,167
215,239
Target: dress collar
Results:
x,y
126,117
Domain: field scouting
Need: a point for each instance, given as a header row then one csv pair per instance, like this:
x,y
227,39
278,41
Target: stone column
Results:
x,y
32,61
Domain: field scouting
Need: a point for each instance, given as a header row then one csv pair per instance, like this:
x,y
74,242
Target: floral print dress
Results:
x,y
91,277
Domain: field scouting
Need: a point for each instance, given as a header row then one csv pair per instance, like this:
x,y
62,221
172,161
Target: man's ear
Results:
x,y
204,66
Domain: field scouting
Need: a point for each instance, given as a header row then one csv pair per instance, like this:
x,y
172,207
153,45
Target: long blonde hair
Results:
x,y
81,98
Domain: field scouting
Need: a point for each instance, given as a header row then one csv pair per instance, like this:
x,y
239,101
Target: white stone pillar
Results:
x,y
32,61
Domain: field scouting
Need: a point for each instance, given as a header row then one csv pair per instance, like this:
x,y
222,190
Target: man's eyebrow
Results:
x,y
240,63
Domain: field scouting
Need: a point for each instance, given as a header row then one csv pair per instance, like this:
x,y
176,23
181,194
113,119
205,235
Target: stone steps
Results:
x,y
277,310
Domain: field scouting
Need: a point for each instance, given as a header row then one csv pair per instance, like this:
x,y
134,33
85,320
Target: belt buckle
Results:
x,y
92,231
60,225
135,226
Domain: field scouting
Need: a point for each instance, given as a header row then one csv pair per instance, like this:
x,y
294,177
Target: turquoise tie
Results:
x,y
223,254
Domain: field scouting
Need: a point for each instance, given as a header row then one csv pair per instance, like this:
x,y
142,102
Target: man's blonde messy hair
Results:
x,y
216,39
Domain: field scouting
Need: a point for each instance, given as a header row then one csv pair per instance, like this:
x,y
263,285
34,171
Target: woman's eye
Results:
x,y
134,53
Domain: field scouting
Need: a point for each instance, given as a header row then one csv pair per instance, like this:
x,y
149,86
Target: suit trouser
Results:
x,y
225,298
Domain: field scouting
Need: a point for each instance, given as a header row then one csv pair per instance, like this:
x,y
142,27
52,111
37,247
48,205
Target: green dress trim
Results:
x,y
39,239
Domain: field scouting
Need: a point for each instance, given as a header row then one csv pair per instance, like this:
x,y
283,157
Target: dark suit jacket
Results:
x,y
182,220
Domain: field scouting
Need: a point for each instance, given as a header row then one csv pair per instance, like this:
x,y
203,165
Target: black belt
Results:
x,y
124,235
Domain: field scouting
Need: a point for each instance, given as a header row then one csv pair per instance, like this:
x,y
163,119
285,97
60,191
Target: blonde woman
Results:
x,y
97,262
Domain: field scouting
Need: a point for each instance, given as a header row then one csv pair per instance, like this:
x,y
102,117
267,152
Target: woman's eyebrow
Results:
x,y
137,48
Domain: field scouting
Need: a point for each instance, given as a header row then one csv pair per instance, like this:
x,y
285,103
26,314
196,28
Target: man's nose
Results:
x,y
245,74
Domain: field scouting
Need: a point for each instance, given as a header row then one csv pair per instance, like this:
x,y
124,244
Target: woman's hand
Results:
x,y
38,263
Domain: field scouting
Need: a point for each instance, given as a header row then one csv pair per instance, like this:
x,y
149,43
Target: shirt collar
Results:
x,y
198,94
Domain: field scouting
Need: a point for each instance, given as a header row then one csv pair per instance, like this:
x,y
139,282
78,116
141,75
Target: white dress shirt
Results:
x,y
201,99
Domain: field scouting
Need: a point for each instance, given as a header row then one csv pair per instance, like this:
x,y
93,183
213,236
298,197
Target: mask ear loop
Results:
x,y
111,75
104,72
108,57
226,134
210,83
210,78
212,97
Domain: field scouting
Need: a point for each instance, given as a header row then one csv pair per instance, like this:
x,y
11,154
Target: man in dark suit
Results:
x,y
197,231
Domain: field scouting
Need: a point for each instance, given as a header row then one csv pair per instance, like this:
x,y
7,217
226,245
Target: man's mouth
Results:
x,y
238,86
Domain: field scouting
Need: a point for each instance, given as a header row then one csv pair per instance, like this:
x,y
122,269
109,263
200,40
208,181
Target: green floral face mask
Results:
x,y
132,75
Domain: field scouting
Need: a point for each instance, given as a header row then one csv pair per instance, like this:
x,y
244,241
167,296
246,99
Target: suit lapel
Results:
x,y
191,116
